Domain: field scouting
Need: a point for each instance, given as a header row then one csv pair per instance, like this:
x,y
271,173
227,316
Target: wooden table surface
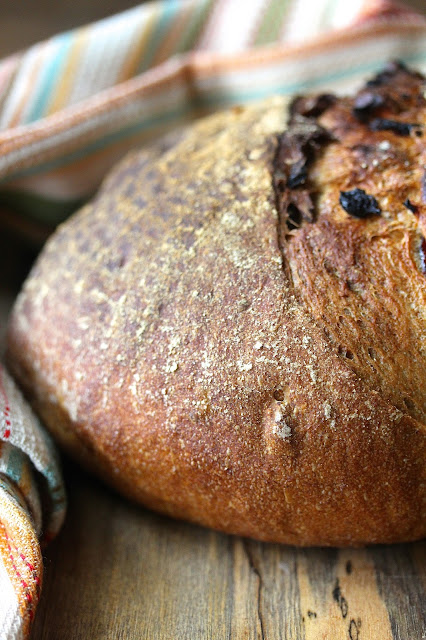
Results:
x,y
118,571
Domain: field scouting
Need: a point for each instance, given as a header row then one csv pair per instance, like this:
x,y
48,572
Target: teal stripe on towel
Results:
x,y
49,77
165,20
15,464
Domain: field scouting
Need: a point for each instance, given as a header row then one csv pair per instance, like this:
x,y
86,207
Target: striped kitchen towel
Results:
x,y
70,107
32,508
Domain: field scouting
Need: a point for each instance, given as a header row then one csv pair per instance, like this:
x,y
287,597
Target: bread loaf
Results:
x,y
233,331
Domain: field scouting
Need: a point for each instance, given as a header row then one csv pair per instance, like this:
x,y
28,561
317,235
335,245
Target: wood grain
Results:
x,y
118,571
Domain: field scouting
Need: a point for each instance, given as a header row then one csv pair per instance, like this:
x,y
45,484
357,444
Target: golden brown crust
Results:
x,y
175,340
364,279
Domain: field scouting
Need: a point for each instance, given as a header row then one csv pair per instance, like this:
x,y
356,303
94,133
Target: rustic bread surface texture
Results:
x,y
224,358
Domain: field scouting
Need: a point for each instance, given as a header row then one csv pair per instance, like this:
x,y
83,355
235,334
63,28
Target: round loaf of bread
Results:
x,y
233,331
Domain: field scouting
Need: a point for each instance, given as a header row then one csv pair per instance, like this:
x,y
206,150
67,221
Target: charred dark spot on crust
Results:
x,y
387,76
366,104
410,206
344,352
297,149
400,128
409,403
279,395
391,91
422,251
359,204
365,149
311,106
298,174
294,216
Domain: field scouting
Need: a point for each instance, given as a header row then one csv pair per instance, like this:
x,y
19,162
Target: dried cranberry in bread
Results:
x,y
233,331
